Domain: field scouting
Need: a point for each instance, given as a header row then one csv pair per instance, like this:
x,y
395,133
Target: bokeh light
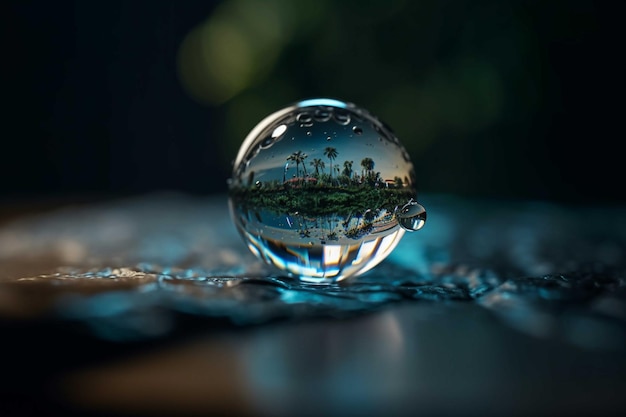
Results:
x,y
440,74
490,98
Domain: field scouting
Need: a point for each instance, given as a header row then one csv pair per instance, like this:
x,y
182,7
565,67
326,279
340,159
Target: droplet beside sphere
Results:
x,y
323,190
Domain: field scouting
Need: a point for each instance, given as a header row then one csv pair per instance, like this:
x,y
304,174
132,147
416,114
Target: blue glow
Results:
x,y
322,102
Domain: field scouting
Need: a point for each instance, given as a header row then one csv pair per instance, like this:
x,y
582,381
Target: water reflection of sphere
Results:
x,y
318,189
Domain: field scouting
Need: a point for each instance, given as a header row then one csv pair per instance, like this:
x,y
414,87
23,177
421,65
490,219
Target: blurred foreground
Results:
x,y
153,306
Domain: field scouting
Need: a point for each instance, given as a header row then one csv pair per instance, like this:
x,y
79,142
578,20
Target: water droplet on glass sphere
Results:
x,y
412,216
329,213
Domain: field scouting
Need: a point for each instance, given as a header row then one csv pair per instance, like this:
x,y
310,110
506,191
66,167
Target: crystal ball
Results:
x,y
323,191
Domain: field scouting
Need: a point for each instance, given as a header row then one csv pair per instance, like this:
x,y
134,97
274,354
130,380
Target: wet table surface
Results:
x,y
153,306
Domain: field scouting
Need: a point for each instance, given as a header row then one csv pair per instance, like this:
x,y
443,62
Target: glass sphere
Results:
x,y
323,191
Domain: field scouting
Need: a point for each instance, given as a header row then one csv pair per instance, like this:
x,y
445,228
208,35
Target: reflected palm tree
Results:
x,y
368,166
298,157
347,168
318,164
331,154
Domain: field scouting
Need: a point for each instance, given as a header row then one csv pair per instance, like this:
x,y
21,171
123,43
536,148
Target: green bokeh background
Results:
x,y
494,99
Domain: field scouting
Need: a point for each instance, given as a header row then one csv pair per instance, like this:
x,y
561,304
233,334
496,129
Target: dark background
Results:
x,y
514,100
